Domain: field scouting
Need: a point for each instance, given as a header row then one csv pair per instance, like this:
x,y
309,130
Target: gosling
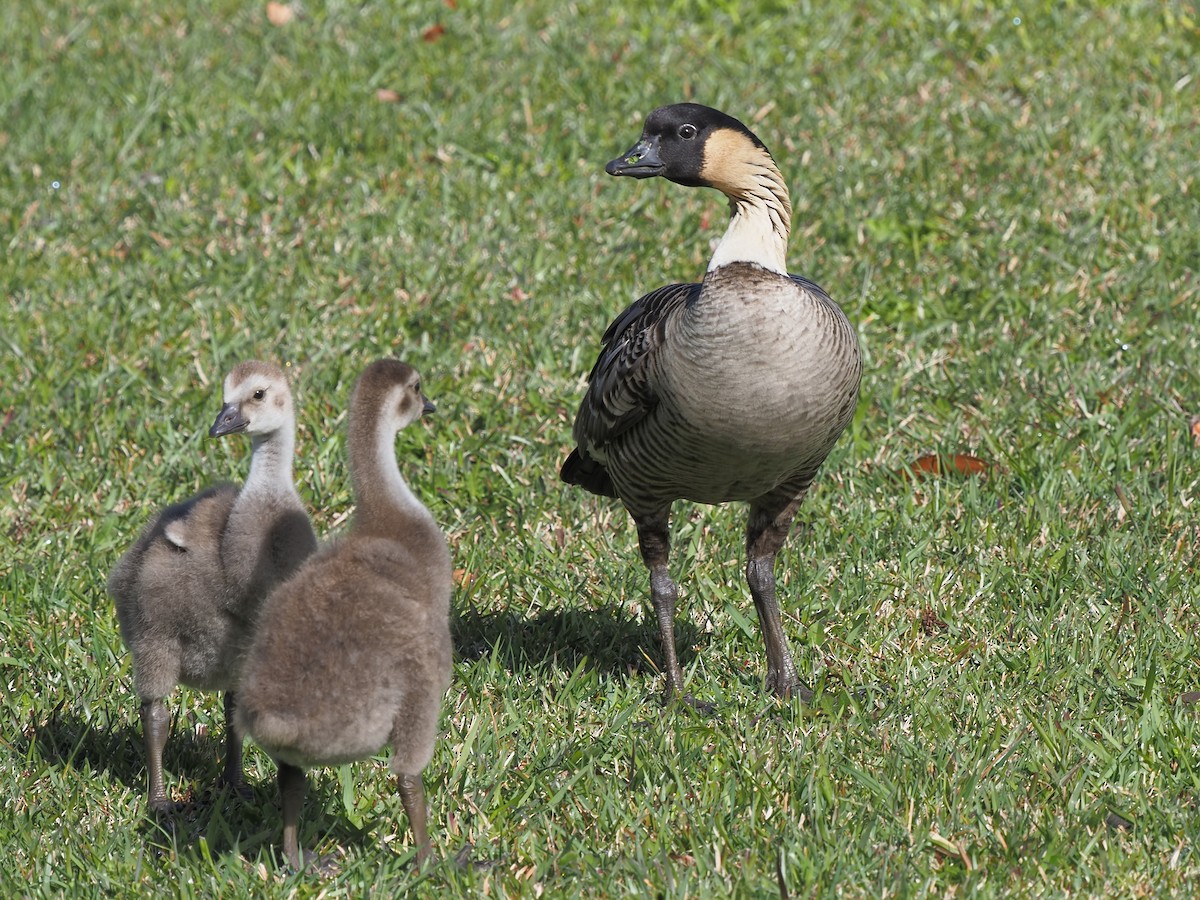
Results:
x,y
736,388
188,590
354,651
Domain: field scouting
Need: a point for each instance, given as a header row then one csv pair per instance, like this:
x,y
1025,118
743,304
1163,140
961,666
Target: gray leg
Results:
x,y
232,773
292,784
412,795
156,724
766,531
655,543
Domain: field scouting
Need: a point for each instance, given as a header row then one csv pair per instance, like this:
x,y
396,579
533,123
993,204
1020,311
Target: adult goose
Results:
x,y
735,388
188,591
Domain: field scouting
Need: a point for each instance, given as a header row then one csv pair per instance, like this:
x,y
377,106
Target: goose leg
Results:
x,y
654,541
232,774
766,530
292,785
156,724
412,795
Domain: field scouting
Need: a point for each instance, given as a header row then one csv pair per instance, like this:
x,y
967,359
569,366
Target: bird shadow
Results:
x,y
606,640
108,746
208,818
101,745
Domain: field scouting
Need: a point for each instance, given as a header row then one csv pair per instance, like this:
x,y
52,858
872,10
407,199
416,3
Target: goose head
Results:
x,y
393,389
696,146
257,401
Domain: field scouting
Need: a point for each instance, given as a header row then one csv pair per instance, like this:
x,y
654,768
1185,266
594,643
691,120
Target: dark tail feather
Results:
x,y
588,474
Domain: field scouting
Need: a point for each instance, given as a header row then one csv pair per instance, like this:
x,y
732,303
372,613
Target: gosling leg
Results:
x,y
232,775
292,785
412,795
156,724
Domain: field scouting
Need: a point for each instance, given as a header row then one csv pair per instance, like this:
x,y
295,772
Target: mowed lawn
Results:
x,y
1005,645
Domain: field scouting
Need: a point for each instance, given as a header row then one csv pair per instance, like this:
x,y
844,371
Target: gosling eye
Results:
x,y
259,394
687,131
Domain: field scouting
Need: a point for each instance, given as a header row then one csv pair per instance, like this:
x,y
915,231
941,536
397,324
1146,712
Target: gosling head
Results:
x,y
257,401
393,388
693,145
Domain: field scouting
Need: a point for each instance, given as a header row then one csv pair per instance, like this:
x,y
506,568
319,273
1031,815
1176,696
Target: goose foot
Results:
x,y
323,865
464,863
671,696
787,689
239,788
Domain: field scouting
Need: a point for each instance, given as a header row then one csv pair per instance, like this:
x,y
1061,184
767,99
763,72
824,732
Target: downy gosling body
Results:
x,y
187,592
736,388
354,651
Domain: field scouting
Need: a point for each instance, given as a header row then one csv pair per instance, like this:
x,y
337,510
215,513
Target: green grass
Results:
x,y
1007,209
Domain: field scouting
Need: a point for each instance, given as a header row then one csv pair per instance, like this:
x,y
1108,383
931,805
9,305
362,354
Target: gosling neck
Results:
x,y
384,501
271,460
760,217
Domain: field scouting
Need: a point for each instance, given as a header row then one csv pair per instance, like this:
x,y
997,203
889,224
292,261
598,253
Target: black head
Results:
x,y
679,143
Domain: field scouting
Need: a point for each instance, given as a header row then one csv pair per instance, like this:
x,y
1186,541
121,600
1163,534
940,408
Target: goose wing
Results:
x,y
621,391
812,287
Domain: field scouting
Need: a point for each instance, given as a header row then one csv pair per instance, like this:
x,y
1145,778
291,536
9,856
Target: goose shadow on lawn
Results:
x,y
611,641
107,746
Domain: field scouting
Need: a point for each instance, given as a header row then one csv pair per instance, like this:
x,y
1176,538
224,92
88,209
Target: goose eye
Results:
x,y
259,394
687,132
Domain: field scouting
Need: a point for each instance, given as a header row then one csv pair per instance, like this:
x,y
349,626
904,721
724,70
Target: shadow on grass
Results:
x,y
96,748
609,640
67,740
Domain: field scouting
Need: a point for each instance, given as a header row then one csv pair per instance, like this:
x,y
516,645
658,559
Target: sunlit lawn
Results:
x,y
1007,663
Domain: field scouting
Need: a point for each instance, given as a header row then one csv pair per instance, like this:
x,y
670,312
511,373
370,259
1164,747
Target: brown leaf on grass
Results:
x,y
939,465
28,216
1126,503
387,95
930,621
945,847
1194,428
433,32
463,578
8,417
280,13
1118,822
1189,698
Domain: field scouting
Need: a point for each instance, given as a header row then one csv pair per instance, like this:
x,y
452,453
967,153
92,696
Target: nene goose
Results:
x,y
188,590
354,651
732,389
